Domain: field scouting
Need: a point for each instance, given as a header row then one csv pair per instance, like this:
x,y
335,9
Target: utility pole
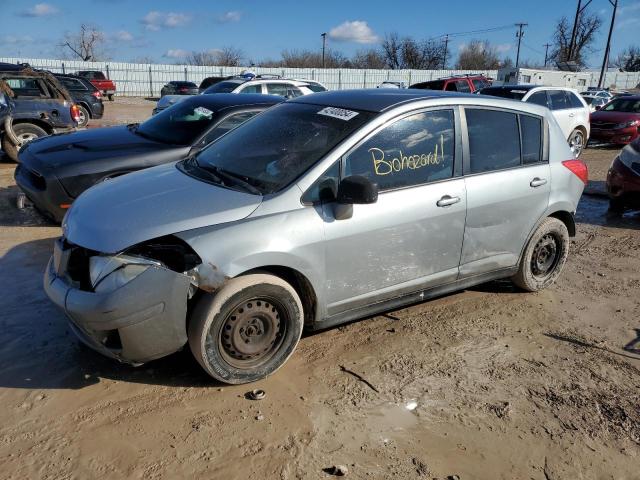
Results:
x,y
446,46
546,53
324,44
519,34
605,61
574,33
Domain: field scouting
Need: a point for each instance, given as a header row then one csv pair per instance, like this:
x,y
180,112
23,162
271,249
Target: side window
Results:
x,y
478,84
411,151
293,92
494,140
531,130
574,101
277,89
26,87
325,188
252,89
72,84
229,123
463,86
539,98
558,100
451,86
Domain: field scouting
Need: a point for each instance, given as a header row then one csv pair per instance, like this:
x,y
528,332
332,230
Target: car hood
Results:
x,y
80,147
114,215
617,117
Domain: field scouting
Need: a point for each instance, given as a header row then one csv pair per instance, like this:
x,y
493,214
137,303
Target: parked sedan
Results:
x,y
623,178
321,210
166,102
595,103
179,88
54,171
618,121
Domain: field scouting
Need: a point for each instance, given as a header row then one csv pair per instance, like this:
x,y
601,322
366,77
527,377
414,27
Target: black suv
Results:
x,y
85,95
179,88
42,106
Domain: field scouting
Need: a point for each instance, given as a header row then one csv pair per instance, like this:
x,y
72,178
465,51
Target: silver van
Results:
x,y
323,209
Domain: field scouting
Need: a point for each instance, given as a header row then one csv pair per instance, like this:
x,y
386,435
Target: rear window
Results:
x,y
314,87
223,87
531,131
184,84
72,84
559,100
27,87
435,85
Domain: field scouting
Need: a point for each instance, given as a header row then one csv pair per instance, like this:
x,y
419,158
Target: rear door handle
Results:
x,y
447,200
538,182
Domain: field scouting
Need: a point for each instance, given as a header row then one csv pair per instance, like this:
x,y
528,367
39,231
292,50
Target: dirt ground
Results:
x,y
489,383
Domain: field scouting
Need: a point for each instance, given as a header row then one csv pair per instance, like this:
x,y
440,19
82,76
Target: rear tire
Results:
x,y
25,132
110,97
84,117
246,330
577,142
616,204
544,257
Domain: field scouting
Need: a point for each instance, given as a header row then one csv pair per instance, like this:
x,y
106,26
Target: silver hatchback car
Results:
x,y
321,210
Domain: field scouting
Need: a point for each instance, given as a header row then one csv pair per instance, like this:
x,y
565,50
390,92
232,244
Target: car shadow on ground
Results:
x,y
585,344
594,210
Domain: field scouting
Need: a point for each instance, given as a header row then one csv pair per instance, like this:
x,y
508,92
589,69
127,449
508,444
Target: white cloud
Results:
x,y
356,31
176,53
123,36
155,20
39,10
231,16
628,22
503,47
17,39
629,8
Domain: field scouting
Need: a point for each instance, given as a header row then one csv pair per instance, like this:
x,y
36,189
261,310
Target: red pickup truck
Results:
x,y
102,83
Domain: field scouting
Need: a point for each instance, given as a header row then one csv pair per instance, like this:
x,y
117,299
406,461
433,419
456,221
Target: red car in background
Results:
x,y
618,121
623,178
456,83
100,81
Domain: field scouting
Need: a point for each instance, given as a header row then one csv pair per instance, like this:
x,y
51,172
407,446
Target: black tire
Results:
x,y
110,97
85,116
577,141
229,328
616,204
25,132
544,257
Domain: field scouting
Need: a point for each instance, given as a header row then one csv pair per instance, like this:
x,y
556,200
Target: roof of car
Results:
x,y
227,100
374,100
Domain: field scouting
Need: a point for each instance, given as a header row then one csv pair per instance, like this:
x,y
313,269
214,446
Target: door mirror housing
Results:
x,y
357,189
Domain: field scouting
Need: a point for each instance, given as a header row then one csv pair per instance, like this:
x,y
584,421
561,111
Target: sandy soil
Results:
x,y
505,385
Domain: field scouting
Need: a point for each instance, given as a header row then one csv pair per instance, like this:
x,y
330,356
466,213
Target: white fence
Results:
x,y
146,80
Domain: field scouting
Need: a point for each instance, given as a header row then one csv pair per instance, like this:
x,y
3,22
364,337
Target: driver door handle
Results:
x,y
538,182
447,200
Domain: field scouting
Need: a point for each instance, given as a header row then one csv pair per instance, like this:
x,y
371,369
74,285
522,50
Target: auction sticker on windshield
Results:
x,y
340,113
204,112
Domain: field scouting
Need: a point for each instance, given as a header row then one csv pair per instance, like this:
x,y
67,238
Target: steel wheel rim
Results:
x,y
25,138
546,255
577,143
82,118
251,333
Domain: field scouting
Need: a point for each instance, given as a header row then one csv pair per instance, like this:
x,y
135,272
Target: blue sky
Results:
x,y
164,30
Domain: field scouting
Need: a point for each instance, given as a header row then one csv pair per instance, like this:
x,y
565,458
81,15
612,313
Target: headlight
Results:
x,y
631,123
628,156
108,273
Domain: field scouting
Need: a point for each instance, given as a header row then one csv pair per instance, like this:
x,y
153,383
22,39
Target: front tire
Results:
x,y
25,132
544,257
246,330
577,142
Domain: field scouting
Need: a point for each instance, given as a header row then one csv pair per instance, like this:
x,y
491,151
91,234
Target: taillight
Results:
x,y
578,168
97,94
75,113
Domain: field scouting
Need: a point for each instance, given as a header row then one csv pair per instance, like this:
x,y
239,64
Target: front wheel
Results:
x,y
544,256
246,330
577,142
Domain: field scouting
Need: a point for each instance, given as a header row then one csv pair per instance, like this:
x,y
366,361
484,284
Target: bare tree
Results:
x,y
310,59
392,46
478,55
588,26
628,60
225,57
370,58
88,44
411,53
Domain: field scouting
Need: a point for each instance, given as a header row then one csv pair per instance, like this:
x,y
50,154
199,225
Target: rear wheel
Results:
x,y
110,97
616,204
577,142
544,256
25,133
84,116
246,330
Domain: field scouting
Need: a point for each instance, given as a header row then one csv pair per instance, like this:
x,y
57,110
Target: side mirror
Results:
x,y
598,107
357,189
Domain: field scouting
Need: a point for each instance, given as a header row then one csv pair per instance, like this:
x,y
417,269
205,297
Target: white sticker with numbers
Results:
x,y
340,113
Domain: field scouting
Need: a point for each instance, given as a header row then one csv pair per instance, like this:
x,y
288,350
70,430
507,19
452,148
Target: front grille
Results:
x,y
603,125
36,180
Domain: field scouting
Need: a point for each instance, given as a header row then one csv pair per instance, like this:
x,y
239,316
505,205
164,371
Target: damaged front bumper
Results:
x,y
139,321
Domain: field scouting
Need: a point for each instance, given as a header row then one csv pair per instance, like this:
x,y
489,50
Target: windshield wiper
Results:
x,y
234,178
211,172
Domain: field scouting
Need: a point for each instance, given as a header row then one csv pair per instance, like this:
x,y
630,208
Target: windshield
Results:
x,y
514,94
180,124
274,148
627,105
223,87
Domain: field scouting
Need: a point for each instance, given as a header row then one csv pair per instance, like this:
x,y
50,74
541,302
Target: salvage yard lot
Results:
x,y
505,384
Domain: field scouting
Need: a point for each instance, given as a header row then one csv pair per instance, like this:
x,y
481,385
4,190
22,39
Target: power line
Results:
x,y
472,32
